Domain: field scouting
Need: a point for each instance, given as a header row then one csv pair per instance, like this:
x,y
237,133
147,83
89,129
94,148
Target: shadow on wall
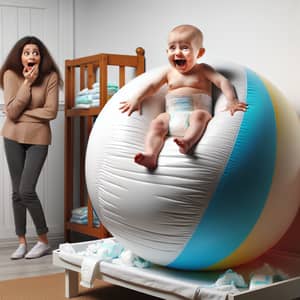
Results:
x,y
290,242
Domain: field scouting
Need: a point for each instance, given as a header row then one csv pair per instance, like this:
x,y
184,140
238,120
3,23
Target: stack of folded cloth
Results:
x,y
87,98
80,216
111,90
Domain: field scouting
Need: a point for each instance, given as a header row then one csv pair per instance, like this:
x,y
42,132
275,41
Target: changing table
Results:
x,y
173,284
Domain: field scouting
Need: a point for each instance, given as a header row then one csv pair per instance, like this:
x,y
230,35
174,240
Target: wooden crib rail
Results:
x,y
90,65
112,59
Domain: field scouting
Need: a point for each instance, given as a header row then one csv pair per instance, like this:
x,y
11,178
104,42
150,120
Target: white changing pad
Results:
x,y
187,285
157,280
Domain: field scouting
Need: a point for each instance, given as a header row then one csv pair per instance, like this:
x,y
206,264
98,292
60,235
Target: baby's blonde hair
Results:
x,y
194,32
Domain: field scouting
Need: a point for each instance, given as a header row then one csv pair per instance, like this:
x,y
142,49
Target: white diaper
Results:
x,y
180,108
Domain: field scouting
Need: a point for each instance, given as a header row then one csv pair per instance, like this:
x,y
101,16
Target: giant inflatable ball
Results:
x,y
224,205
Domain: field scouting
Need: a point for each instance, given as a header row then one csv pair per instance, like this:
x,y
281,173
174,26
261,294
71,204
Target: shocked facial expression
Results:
x,y
182,52
30,56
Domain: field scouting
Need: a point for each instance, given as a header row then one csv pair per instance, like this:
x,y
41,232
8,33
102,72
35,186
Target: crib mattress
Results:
x,y
173,284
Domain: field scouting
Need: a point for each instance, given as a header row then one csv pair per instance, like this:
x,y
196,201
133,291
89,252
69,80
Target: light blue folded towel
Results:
x,y
83,99
83,92
80,214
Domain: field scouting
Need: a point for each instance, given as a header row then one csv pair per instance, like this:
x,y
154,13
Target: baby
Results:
x,y
188,99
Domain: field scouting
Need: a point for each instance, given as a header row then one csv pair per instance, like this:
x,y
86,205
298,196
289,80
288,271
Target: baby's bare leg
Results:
x,y
154,142
198,122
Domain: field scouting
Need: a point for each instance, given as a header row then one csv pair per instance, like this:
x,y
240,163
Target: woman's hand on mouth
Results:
x,y
31,73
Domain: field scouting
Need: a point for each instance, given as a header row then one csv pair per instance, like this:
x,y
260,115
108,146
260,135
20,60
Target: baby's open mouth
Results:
x,y
180,62
31,64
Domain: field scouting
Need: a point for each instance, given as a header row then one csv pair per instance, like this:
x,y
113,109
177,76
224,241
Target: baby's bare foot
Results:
x,y
183,145
145,160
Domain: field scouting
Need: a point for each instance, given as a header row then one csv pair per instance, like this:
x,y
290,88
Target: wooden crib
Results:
x,y
81,73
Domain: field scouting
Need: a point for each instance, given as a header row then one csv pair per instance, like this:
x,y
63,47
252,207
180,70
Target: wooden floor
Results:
x,y
11,269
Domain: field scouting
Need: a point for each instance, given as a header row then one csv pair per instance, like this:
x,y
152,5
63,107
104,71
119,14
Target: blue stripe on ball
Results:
x,y
236,205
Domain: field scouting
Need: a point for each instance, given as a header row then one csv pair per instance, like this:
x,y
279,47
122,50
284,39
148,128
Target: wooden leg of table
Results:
x,y
71,283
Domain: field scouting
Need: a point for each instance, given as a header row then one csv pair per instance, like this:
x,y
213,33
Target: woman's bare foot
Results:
x,y
184,146
145,160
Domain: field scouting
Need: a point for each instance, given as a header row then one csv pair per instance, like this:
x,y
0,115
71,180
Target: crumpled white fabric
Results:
x,y
106,249
67,248
128,258
229,281
103,250
264,276
231,278
88,271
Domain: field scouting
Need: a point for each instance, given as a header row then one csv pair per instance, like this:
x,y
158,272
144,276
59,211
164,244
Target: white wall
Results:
x,y
49,20
52,21
263,35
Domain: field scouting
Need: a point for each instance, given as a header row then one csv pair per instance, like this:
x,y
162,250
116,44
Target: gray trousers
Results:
x,y
25,163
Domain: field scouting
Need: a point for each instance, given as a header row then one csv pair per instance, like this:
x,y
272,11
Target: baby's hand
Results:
x,y
237,106
130,107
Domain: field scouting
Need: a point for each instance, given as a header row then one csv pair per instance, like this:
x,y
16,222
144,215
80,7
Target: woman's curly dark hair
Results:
x,y
14,61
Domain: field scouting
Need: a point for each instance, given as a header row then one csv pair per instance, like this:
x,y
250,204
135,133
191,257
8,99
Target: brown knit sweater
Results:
x,y
28,109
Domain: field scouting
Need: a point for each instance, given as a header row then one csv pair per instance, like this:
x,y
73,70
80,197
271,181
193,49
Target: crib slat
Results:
x,y
82,77
103,80
121,76
82,138
91,76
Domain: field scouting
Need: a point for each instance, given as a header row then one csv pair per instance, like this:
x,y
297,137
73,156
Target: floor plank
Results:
x,y
11,269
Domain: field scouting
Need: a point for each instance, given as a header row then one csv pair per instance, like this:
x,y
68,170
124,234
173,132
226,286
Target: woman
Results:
x,y
30,80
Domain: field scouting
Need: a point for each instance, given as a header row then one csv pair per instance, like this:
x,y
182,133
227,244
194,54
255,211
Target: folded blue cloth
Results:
x,y
94,91
83,99
84,218
84,221
80,211
83,92
95,96
80,216
96,84
87,98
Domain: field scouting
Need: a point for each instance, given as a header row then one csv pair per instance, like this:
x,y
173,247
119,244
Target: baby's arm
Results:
x,y
227,89
144,91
